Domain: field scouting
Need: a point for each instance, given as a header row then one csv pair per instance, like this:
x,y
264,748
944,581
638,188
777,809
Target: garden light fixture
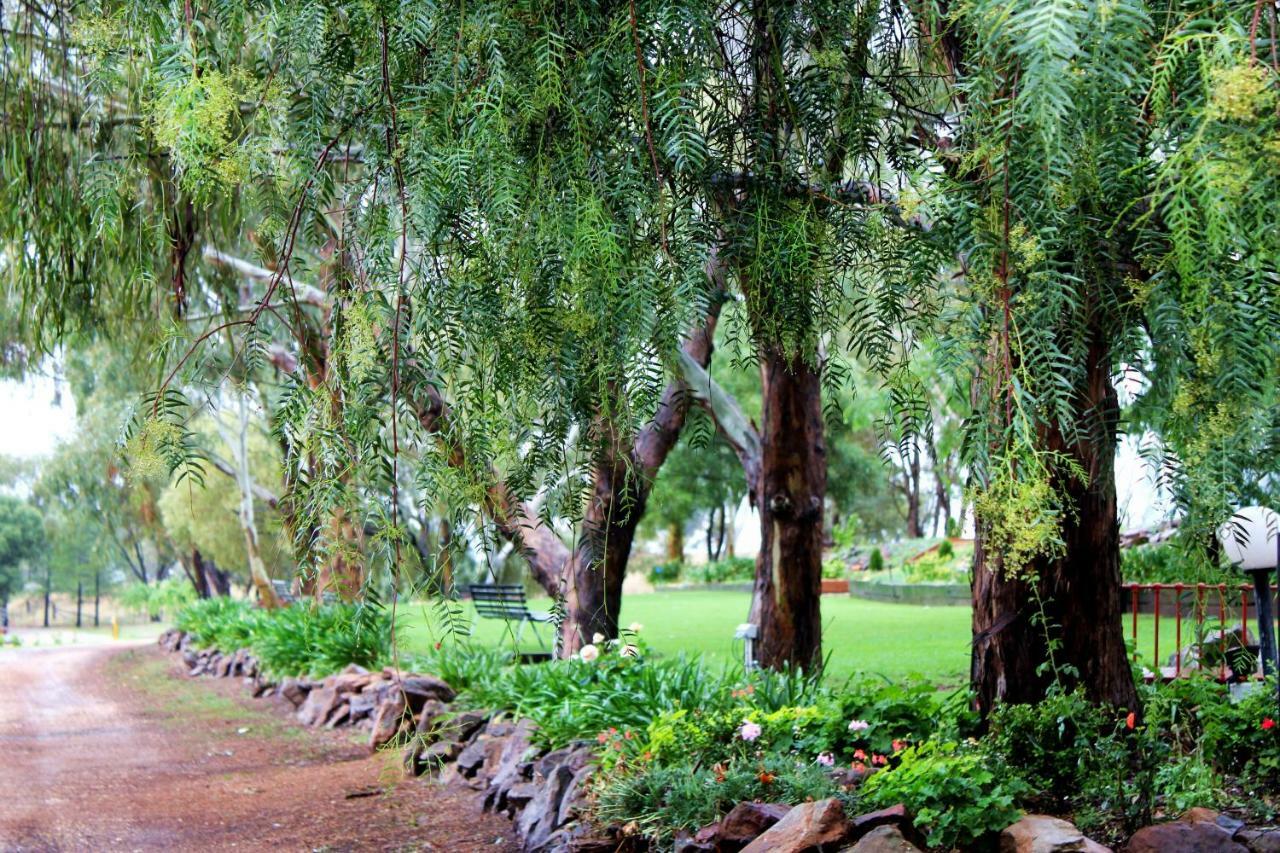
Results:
x,y
1252,542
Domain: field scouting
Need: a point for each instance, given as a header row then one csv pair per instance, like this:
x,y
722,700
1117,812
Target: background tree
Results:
x,y
22,537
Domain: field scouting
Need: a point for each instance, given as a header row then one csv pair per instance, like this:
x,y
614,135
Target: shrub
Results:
x,y
664,799
665,573
833,568
956,793
305,639
946,550
875,563
301,639
728,570
1170,563
219,622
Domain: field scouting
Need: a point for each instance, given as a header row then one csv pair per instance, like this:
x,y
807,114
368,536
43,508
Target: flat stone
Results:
x,y
440,753
520,795
427,715
340,715
419,688
807,827
510,766
539,818
574,795
386,722
360,706
1184,837
318,705
883,839
1260,840
1036,833
746,820
1203,815
294,690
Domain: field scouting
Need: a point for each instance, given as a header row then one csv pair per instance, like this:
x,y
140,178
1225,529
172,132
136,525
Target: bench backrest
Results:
x,y
499,601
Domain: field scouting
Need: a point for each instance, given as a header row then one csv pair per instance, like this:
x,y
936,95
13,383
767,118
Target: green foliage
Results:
x,y
220,622
665,572
1073,754
955,793
875,563
156,600
663,799
300,639
22,536
727,570
1171,563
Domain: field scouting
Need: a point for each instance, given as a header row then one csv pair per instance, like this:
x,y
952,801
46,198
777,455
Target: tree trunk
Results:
x,y
793,485
594,575
675,542
914,530
1080,591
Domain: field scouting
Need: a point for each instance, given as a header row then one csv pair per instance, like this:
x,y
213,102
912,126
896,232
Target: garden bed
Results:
x,y
926,594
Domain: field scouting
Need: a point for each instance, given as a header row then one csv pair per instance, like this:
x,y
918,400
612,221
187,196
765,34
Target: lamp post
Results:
x,y
1252,542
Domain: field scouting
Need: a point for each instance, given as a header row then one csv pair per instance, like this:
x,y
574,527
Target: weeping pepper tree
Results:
x,y
1087,208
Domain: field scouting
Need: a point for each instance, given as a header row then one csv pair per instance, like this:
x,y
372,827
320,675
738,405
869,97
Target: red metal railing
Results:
x,y
1232,609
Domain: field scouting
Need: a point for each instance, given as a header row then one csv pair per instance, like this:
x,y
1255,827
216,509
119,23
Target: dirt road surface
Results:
x,y
111,748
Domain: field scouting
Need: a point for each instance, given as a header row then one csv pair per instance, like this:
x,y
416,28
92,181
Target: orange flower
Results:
x,y
879,759
602,737
718,769
859,766
766,777
860,755
1131,720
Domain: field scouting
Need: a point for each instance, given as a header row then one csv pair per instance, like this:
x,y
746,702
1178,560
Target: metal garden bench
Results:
x,y
507,602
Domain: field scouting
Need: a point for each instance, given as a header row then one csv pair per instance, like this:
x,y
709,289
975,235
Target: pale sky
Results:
x,y
30,422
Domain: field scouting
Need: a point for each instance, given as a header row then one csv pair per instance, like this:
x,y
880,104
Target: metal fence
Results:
x,y
1210,630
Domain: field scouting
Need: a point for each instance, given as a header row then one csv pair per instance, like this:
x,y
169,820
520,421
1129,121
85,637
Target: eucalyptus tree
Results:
x,y
21,537
1102,205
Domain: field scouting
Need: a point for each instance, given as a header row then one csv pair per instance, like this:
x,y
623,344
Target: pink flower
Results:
x,y
860,755
899,745
879,759
749,731
859,725
826,759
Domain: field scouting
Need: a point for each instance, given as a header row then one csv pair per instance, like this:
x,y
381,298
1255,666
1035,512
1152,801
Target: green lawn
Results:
x,y
858,635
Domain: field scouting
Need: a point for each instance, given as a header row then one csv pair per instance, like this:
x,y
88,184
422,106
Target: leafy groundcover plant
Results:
x,y
300,639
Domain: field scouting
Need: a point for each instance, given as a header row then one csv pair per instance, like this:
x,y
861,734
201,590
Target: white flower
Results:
x,y
597,638
635,627
859,726
589,653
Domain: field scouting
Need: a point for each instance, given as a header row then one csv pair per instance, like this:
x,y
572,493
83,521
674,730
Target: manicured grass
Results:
x,y
894,640
858,635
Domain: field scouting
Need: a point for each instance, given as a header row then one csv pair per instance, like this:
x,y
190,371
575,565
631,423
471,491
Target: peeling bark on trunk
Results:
x,y
793,482
1080,591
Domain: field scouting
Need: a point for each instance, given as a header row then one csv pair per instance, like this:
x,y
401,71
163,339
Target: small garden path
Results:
x,y
113,748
